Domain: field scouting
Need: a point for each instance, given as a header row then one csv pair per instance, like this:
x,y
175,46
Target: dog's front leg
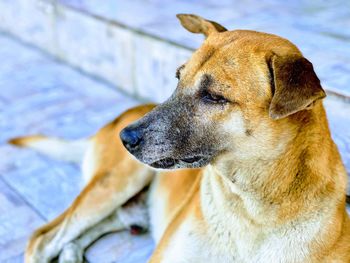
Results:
x,y
133,215
73,251
101,197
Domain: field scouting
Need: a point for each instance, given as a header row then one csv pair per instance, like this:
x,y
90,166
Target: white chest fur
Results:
x,y
230,233
234,236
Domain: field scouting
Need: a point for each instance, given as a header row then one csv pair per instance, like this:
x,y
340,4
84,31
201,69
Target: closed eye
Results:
x,y
209,97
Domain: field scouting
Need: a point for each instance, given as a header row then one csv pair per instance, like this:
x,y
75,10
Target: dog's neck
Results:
x,y
283,188
292,199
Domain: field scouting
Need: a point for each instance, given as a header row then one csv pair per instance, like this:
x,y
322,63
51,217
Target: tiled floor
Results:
x,y
40,95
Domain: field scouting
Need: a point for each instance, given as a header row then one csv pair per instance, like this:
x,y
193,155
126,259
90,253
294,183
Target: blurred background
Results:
x,y
69,66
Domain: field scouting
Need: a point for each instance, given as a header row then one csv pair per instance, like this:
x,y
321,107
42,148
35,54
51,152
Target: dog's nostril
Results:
x,y
130,138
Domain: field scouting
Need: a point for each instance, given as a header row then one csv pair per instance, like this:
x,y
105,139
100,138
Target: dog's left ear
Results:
x,y
295,85
197,24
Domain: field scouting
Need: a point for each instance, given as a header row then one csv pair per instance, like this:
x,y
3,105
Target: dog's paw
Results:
x,y
71,253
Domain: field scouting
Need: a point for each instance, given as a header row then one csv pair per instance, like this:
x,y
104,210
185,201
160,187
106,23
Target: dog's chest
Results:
x,y
238,243
232,237
224,235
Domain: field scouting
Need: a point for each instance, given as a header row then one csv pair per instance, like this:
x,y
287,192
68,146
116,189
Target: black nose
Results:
x,y
131,137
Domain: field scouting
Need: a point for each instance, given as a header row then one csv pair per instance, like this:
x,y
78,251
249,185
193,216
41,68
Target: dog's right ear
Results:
x,y
197,24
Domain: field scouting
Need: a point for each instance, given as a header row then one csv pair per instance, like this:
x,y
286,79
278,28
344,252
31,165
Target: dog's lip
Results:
x,y
193,159
169,162
164,163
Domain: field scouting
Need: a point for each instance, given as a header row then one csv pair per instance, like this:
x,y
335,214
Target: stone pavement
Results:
x,y
41,95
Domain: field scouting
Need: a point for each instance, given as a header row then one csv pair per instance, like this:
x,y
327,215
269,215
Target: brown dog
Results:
x,y
269,184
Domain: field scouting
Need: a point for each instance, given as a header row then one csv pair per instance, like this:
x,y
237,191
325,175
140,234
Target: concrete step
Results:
x,y
41,95
137,45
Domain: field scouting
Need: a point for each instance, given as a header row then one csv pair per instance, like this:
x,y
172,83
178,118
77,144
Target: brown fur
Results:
x,y
23,141
252,104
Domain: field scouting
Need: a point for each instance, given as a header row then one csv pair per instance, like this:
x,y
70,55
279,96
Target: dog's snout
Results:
x,y
131,137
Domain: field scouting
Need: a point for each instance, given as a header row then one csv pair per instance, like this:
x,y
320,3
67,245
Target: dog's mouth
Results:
x,y
190,162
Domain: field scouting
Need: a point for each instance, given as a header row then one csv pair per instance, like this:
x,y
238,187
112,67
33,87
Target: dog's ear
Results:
x,y
295,85
197,24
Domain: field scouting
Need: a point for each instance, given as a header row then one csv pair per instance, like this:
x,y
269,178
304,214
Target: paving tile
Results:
x,y
47,185
122,247
15,259
17,221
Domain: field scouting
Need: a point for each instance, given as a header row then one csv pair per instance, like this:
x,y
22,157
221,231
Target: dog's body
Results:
x,y
267,183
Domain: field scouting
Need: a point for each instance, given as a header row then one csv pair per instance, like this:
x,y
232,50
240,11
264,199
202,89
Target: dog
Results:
x,y
238,165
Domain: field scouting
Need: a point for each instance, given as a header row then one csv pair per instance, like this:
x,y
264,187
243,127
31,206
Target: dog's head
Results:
x,y
236,97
